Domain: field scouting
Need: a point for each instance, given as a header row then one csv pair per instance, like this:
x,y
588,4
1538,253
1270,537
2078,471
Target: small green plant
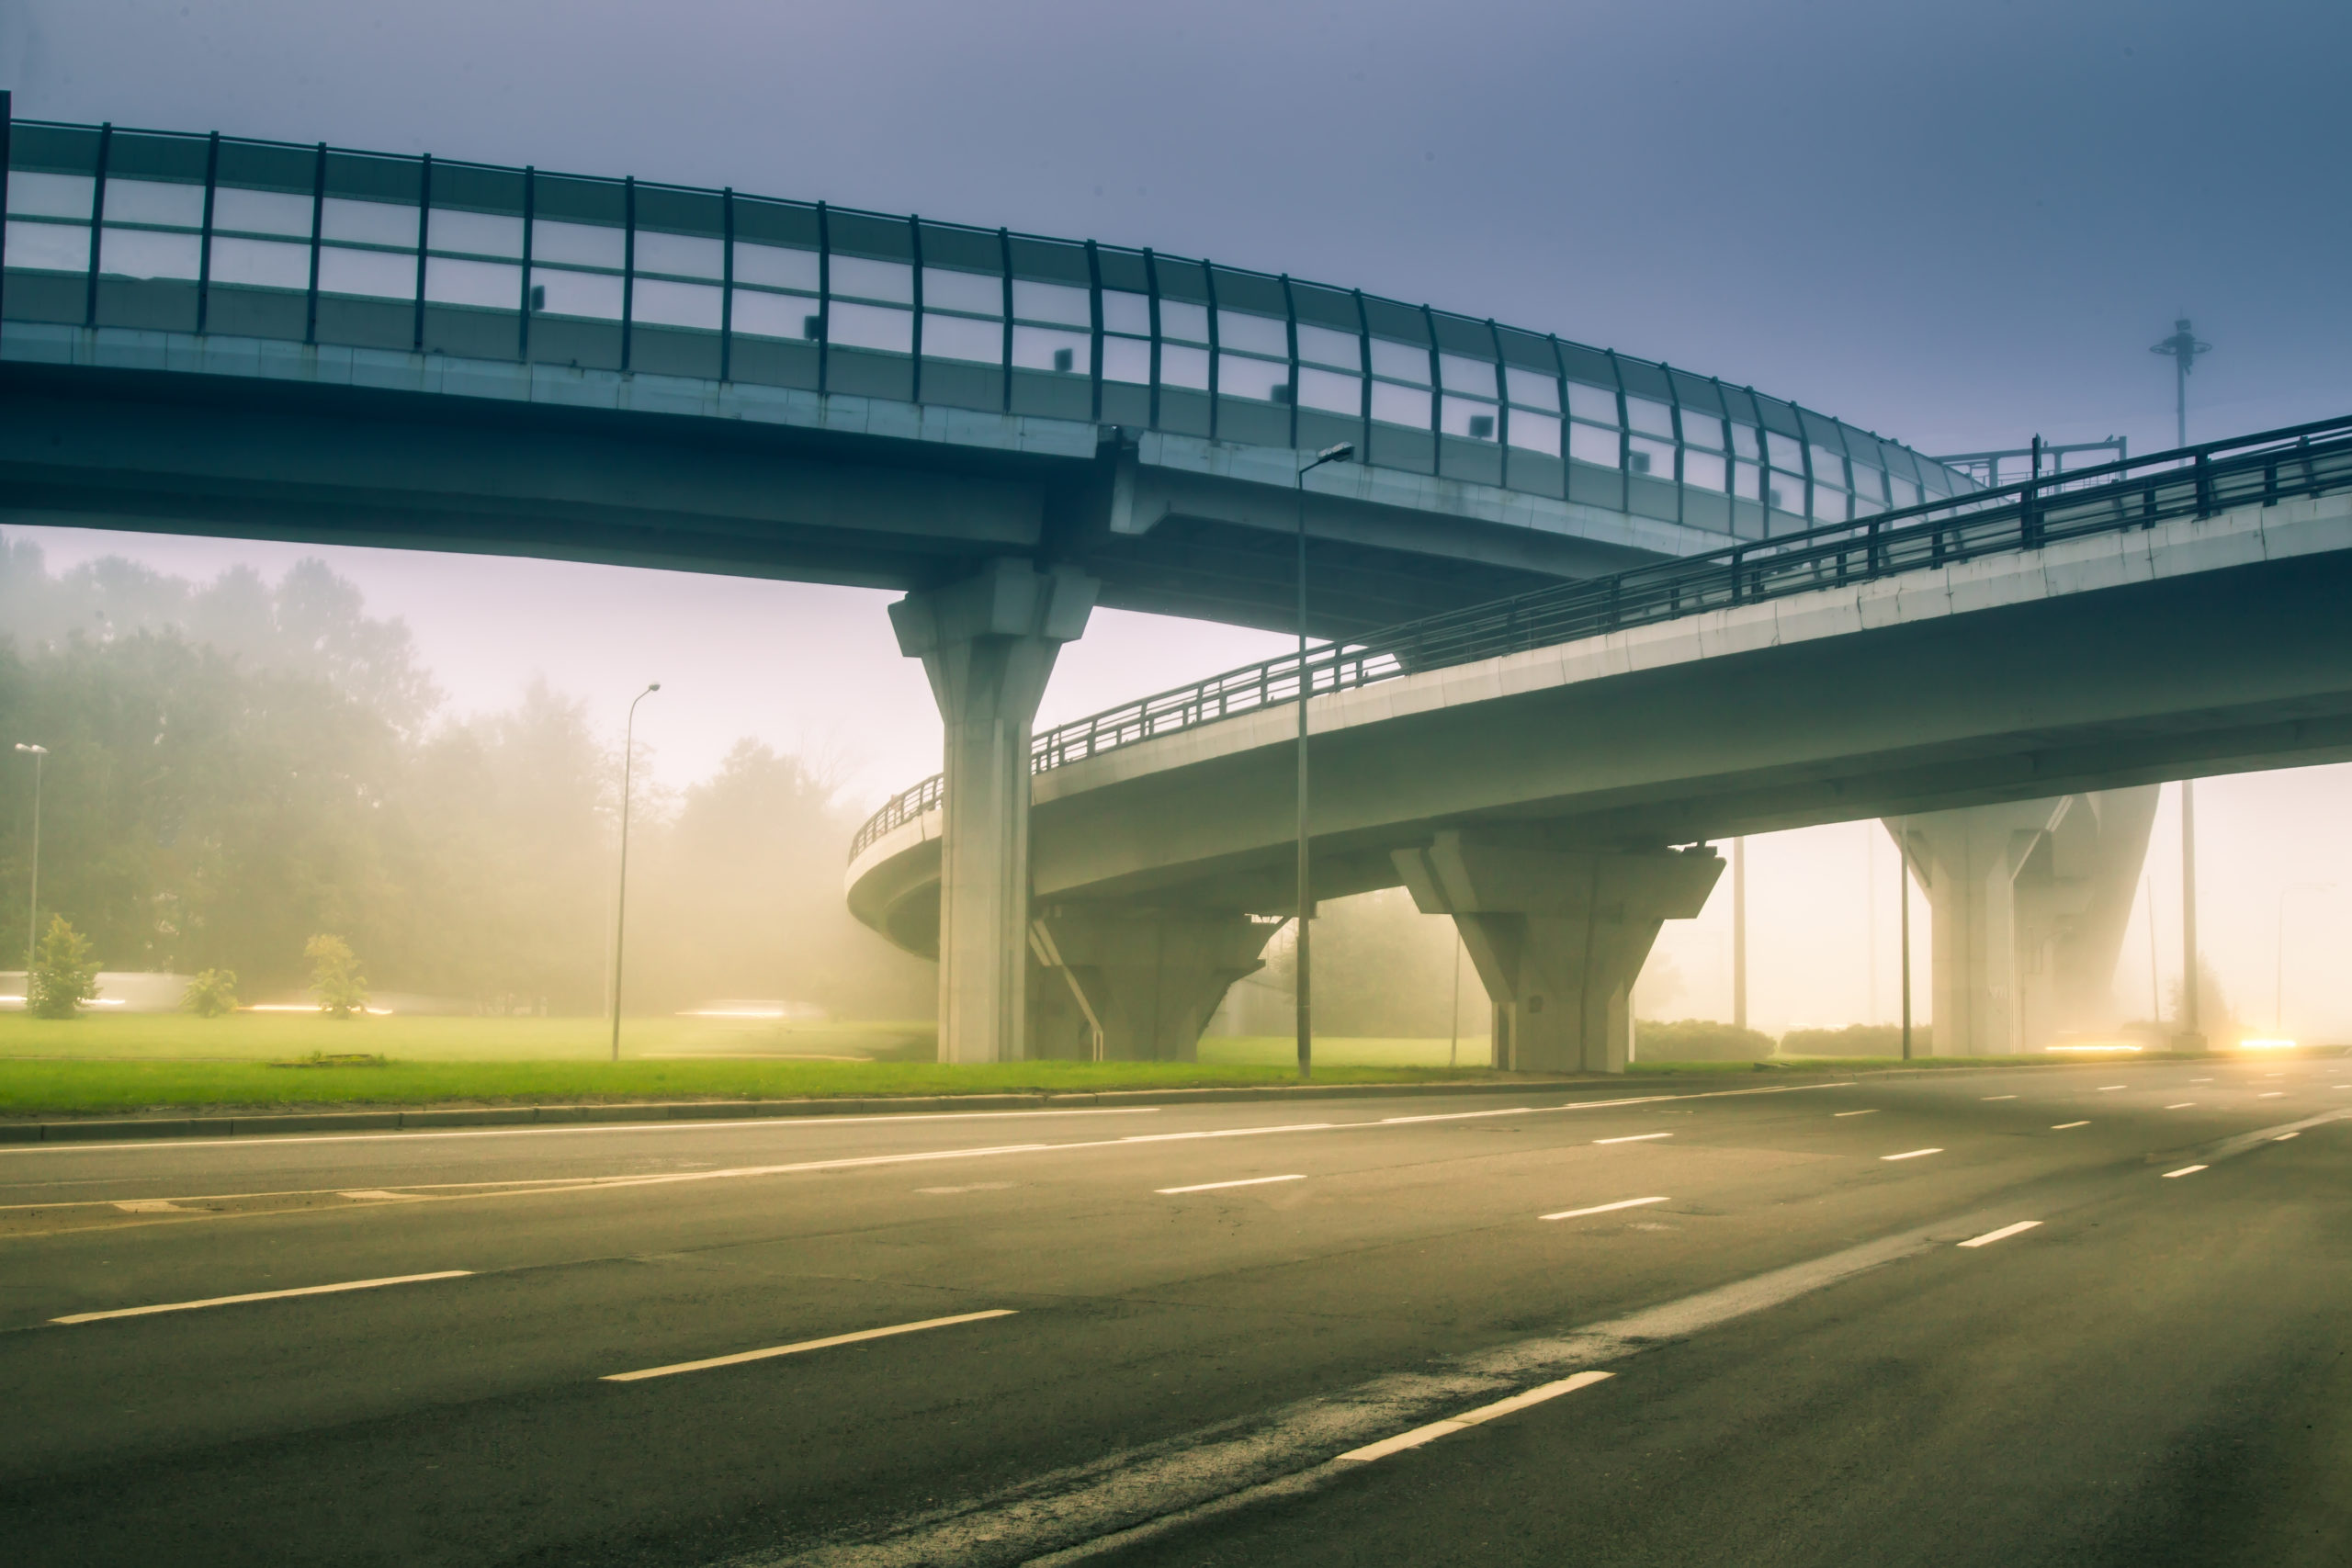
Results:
x,y
64,975
213,994
341,988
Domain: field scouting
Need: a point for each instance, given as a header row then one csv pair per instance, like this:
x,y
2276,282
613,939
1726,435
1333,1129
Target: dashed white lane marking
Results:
x,y
1989,1238
827,1343
2184,1170
1998,1097
2110,1088
1911,1154
2180,1105
2062,1126
263,1296
2270,1094
1871,1112
1634,1138
2200,1080
1469,1418
2284,1137
1215,1186
1604,1208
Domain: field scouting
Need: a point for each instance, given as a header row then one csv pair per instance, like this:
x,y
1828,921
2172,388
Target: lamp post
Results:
x,y
32,902
620,897
2182,348
1336,454
2278,980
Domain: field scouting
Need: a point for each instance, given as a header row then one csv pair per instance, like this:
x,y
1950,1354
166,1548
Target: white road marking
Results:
x,y
2184,1170
827,1343
1634,1138
1455,1116
148,1206
2110,1088
2062,1126
2284,1137
1998,1097
2181,1105
1469,1418
2200,1080
1989,1238
1604,1208
377,1195
263,1296
1871,1112
1911,1154
1215,1186
2270,1094
973,1187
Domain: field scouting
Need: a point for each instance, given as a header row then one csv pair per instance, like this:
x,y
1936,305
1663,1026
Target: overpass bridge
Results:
x,y
2002,679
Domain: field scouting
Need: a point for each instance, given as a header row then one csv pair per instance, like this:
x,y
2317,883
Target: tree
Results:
x,y
211,994
341,990
64,975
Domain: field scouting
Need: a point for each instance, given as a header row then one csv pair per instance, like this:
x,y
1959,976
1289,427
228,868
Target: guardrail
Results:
x,y
173,232
2194,481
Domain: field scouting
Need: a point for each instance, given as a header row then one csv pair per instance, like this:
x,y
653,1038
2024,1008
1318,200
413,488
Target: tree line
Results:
x,y
239,765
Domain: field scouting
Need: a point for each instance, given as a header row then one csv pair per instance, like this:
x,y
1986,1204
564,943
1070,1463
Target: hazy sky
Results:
x,y
1960,225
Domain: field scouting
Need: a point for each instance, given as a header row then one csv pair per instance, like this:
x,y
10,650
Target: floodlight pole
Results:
x,y
1903,871
2191,1034
2182,348
620,897
1339,452
32,901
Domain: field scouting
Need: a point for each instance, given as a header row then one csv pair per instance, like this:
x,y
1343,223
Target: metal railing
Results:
x,y
176,231
2195,481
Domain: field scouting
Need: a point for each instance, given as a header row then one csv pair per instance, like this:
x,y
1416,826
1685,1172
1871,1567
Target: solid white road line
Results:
x,y
1911,1154
262,1296
1871,1112
1420,1435
2184,1170
1215,1186
741,1357
2181,1106
2062,1126
1604,1208
1634,1138
1989,1238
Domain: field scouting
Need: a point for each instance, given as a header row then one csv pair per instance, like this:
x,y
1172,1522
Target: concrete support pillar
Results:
x,y
2028,902
1137,985
1558,936
988,644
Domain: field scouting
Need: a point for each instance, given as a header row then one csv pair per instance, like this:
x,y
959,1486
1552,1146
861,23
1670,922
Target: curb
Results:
x,y
156,1128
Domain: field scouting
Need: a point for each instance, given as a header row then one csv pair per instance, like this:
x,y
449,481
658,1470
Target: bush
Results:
x,y
1699,1039
64,975
1854,1040
211,994
341,990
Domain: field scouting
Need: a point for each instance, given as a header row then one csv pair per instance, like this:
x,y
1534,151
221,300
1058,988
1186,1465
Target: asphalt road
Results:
x,y
1755,1335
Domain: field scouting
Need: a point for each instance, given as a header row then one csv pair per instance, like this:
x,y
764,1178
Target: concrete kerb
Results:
x,y
97,1130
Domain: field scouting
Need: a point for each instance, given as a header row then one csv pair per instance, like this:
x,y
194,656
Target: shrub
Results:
x,y
1698,1040
1854,1040
64,975
211,994
341,990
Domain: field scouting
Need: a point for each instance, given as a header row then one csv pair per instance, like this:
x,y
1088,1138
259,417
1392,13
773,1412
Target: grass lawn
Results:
x,y
125,1065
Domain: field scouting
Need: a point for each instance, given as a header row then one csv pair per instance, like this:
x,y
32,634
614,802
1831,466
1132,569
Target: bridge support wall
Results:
x,y
988,644
1558,936
2029,901
1133,984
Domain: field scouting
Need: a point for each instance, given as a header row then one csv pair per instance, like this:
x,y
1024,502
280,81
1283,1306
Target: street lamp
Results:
x,y
2279,981
32,904
620,897
2182,348
1337,454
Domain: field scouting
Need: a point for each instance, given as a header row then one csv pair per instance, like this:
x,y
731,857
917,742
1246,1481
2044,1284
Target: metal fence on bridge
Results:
x,y
2195,481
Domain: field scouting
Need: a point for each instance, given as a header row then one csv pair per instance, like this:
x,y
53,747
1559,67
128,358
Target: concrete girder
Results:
x,y
2028,902
988,644
1558,936
1125,984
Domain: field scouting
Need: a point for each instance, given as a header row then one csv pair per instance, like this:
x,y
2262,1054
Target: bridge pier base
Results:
x,y
988,644
1558,936
1134,985
2028,902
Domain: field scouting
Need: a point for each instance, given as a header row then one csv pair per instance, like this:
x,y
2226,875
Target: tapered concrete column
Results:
x,y
1558,936
1138,984
2028,902
988,644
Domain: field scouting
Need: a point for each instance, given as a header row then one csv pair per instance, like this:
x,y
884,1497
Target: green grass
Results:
x,y
267,1037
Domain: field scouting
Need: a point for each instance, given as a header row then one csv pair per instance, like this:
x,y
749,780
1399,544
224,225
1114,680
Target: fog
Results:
x,y
1961,226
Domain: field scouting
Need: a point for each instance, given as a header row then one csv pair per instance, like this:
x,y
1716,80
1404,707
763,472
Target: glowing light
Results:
x,y
2100,1049
2265,1044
